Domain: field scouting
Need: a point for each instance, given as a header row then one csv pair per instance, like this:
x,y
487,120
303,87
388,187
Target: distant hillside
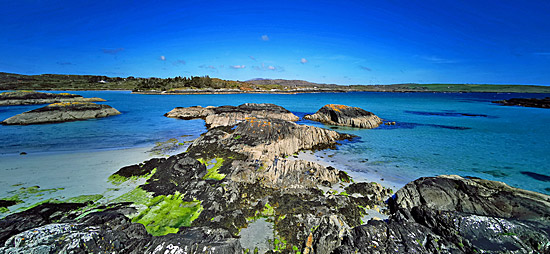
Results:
x,y
10,81
292,83
454,88
206,84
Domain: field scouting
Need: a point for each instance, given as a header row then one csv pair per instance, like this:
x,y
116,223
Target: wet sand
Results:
x,y
65,175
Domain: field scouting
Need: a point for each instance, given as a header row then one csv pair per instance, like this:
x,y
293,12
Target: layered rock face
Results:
x,y
32,97
231,115
62,112
526,102
345,116
451,214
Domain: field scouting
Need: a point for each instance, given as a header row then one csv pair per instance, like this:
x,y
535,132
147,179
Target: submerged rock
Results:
x,y
231,115
62,112
526,102
345,116
32,97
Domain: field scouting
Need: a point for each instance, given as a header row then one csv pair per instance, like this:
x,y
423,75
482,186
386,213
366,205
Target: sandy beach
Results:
x,y
65,175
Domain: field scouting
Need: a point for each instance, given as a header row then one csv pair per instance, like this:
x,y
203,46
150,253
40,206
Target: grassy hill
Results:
x,y
10,81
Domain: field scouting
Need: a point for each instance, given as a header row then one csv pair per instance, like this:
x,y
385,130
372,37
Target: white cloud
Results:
x,y
438,60
163,58
265,38
303,61
204,66
238,66
264,67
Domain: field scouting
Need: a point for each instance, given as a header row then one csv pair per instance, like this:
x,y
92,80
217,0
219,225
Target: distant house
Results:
x,y
102,81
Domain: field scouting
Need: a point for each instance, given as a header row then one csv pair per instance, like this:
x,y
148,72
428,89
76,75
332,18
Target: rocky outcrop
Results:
x,y
232,175
32,97
474,196
231,115
34,217
345,116
451,214
62,112
526,102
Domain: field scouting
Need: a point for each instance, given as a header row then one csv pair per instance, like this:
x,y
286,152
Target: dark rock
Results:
x,y
140,169
62,112
7,203
450,214
526,102
23,153
102,232
195,240
474,196
34,217
396,236
345,116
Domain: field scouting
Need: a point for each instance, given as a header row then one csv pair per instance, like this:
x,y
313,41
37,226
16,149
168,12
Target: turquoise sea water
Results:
x,y
435,134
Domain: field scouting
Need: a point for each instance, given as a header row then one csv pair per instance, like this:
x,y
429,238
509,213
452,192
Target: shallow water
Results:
x,y
435,134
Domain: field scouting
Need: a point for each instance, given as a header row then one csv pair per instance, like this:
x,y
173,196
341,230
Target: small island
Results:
x,y
32,97
526,102
345,116
62,112
230,115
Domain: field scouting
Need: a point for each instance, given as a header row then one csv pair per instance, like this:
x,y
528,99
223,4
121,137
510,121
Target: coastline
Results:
x,y
202,92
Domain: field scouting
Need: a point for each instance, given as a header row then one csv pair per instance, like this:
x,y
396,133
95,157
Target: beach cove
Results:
x,y
435,134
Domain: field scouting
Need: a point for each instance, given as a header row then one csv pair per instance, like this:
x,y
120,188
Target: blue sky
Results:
x,y
342,42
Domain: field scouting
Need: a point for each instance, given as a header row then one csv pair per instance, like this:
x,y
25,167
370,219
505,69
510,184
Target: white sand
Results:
x,y
82,173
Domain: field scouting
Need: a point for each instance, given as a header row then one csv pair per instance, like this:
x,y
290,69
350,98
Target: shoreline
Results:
x,y
65,175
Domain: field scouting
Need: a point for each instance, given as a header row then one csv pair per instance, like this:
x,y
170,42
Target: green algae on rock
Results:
x,y
212,166
166,214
